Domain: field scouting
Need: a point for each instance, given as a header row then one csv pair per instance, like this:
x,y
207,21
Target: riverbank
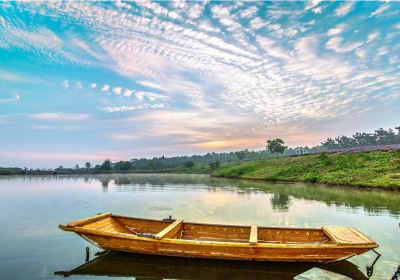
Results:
x,y
361,169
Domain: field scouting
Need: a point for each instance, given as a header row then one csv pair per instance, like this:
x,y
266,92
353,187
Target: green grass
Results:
x,y
373,169
11,171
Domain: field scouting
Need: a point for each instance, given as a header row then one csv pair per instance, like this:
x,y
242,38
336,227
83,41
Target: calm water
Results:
x,y
32,247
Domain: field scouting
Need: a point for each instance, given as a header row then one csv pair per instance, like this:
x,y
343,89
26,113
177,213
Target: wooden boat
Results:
x,y
184,239
141,266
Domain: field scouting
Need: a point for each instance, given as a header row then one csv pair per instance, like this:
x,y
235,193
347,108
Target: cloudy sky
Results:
x,y
88,80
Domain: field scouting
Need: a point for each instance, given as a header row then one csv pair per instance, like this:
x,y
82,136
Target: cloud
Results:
x,y
93,85
105,88
117,90
11,99
249,12
79,85
59,116
335,44
337,30
128,92
312,4
372,36
317,10
110,109
286,67
66,84
151,96
344,9
269,47
380,10
152,85
60,156
114,109
124,137
13,77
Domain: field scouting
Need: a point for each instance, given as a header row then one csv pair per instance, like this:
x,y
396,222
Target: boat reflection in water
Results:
x,y
117,264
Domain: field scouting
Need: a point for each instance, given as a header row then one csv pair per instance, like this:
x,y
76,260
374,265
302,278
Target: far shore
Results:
x,y
363,170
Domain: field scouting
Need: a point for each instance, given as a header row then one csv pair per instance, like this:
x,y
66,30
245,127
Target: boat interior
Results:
x,y
177,229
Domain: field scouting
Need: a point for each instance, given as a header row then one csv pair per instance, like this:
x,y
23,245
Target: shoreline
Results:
x,y
372,170
325,185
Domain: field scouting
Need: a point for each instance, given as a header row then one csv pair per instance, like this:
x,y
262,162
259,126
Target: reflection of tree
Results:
x,y
280,201
105,181
371,201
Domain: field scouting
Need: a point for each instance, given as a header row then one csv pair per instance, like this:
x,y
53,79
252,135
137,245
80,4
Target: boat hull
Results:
x,y
179,239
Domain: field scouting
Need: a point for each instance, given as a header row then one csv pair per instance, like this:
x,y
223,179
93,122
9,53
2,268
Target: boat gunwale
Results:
x,y
221,225
84,231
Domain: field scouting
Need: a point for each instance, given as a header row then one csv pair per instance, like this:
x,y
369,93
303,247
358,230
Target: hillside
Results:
x,y
363,169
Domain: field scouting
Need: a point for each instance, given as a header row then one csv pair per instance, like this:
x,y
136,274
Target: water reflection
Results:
x,y
35,205
280,202
113,264
371,201
105,181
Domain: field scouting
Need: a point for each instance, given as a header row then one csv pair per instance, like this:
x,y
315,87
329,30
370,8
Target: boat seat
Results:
x,y
346,236
170,230
253,234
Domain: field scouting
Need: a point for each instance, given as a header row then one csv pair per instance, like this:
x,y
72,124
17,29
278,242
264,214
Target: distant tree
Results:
x,y
123,165
241,155
215,164
88,165
106,165
345,142
276,146
329,144
76,166
189,164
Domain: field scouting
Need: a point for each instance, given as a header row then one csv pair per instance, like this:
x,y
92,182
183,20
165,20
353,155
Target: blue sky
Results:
x,y
89,80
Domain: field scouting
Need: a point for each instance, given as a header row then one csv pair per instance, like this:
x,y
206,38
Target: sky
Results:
x,y
84,81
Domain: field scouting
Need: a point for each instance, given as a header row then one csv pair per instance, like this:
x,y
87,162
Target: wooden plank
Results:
x,y
89,220
346,236
142,225
362,236
253,234
169,228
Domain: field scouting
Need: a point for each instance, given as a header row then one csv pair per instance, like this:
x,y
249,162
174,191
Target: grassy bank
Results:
x,y
11,171
373,169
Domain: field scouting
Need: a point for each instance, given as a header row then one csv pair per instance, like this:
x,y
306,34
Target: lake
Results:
x,y
31,207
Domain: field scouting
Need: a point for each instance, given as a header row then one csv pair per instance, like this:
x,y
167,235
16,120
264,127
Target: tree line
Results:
x,y
274,147
210,161
378,137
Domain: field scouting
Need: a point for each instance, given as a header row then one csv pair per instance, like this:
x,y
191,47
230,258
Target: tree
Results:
x,y
76,166
276,146
241,154
329,144
123,165
88,165
189,164
214,165
106,165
